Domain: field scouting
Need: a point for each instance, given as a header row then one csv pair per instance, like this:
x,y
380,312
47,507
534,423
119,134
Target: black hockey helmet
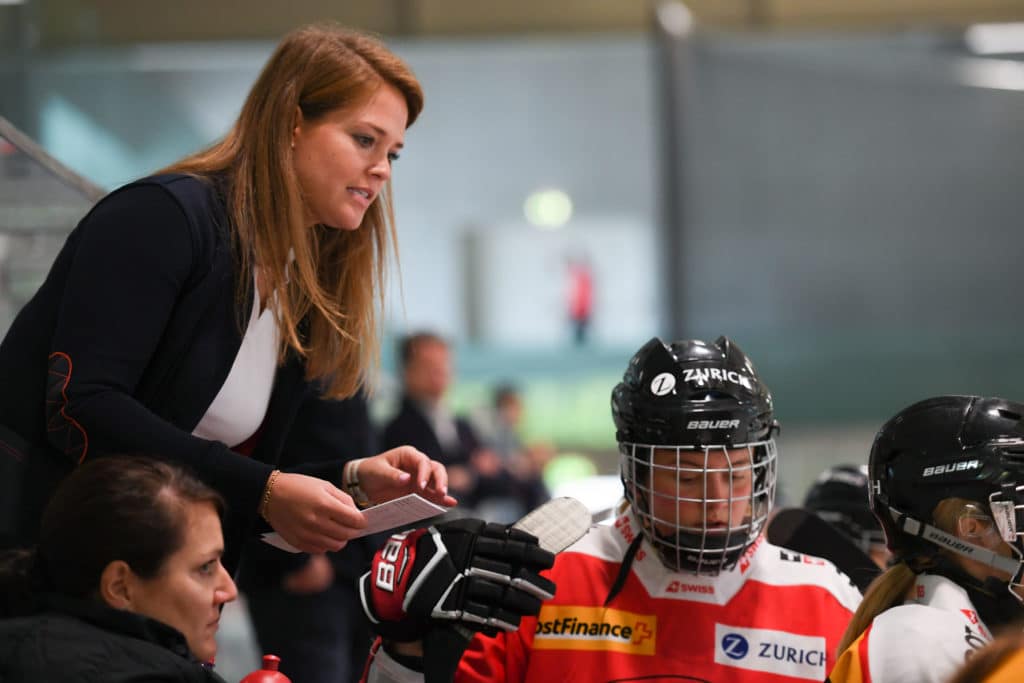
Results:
x,y
965,447
693,395
840,496
713,386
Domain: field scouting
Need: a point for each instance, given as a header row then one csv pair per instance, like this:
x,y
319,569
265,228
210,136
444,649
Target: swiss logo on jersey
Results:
x,y
685,587
571,627
972,617
778,652
748,555
626,529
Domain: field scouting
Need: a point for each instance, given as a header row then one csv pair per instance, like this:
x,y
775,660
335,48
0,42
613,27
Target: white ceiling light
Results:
x,y
993,74
549,209
995,39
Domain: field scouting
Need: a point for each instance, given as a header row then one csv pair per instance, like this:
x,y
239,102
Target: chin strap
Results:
x,y
936,536
627,562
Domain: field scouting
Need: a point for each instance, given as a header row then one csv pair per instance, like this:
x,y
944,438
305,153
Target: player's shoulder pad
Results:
x,y
912,622
780,566
601,542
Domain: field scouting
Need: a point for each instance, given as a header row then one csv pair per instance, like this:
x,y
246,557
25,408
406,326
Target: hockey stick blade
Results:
x,y
557,524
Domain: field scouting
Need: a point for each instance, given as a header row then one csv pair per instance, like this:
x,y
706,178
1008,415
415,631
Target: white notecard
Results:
x,y
394,513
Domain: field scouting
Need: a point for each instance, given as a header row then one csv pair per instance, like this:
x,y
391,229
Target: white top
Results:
x,y
442,422
924,640
241,404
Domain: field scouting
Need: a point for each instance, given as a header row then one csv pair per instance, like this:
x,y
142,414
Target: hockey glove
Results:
x,y
480,576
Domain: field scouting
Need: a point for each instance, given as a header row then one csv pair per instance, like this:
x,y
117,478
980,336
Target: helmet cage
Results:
x,y
1007,507
1007,503
1008,512
699,547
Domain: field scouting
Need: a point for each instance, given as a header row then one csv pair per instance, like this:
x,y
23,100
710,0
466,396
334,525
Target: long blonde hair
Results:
x,y
334,288
891,588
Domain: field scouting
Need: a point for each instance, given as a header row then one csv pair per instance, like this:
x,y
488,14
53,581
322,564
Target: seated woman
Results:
x,y
126,583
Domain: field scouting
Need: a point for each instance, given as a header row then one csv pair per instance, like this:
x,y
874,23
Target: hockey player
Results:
x,y
947,476
683,585
840,496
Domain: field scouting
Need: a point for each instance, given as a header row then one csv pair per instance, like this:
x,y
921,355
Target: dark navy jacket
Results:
x,y
128,341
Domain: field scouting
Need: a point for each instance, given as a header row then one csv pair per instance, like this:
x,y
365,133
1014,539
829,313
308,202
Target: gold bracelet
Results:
x,y
265,503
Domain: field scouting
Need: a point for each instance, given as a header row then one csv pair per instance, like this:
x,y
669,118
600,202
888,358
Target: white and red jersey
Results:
x,y
925,640
776,617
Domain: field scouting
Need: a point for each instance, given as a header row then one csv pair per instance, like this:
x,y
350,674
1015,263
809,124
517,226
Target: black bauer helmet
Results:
x,y
701,401
840,496
965,447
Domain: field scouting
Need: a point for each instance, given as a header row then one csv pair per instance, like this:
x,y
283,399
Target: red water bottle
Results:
x,y
269,672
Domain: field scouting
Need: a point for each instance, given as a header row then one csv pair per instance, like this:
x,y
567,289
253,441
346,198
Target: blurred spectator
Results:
x,y
580,297
508,413
475,473
304,608
840,497
524,462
